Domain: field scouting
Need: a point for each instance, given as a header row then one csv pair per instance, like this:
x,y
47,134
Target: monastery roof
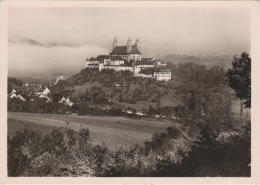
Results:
x,y
92,59
147,59
135,50
123,50
145,62
115,58
102,57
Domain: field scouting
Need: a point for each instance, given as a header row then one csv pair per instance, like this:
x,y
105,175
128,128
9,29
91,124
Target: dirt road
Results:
x,y
114,131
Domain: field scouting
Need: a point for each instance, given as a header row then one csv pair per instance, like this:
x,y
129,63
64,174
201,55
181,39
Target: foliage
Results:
x,y
239,77
13,82
212,157
64,152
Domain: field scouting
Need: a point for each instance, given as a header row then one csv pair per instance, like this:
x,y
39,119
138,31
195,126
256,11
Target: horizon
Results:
x,y
59,40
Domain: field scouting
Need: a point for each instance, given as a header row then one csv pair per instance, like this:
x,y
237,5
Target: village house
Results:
x,y
59,78
46,92
13,95
66,101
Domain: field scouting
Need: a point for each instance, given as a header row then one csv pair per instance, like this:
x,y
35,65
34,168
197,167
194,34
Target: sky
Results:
x,y
57,41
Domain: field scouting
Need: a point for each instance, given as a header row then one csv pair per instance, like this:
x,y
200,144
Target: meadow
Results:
x,y
116,132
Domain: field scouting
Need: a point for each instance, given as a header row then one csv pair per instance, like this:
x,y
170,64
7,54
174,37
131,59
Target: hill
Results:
x,y
121,89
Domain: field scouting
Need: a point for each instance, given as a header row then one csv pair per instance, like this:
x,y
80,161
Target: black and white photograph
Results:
x,y
130,91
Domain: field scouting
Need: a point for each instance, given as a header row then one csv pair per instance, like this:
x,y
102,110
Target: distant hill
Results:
x,y
209,61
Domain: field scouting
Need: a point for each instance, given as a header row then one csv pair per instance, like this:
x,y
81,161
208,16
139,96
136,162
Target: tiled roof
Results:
x,y
119,50
135,50
147,59
115,58
102,57
123,50
92,59
144,63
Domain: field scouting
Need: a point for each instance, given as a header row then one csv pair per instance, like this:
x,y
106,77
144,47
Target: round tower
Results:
x,y
129,45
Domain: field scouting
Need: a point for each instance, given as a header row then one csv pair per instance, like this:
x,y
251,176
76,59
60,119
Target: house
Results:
x,y
13,95
129,112
38,93
13,91
160,63
66,101
26,84
21,97
62,100
115,60
140,113
140,65
162,74
46,91
49,99
58,79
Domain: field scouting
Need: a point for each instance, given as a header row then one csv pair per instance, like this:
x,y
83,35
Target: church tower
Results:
x,y
114,43
129,45
137,43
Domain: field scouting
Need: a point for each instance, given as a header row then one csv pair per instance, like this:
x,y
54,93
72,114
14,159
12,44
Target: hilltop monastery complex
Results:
x,y
129,57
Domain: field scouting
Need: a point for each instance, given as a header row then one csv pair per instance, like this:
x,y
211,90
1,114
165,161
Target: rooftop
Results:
x,y
162,69
123,50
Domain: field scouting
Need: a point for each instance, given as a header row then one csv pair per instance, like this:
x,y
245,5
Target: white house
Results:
x,y
21,98
46,91
129,112
13,95
13,91
66,101
63,100
58,79
162,74
26,84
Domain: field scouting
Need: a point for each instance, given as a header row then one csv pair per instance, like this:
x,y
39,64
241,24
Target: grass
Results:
x,y
114,131
15,125
169,99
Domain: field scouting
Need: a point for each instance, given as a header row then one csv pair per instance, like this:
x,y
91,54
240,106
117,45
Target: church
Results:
x,y
129,58
128,52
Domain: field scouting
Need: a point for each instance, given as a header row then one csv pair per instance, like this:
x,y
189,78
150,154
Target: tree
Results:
x,y
239,78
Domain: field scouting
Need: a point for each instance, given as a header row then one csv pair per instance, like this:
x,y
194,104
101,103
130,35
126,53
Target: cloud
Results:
x,y
32,42
29,59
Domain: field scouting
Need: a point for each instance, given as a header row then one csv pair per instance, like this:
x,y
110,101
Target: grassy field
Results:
x,y
114,131
18,125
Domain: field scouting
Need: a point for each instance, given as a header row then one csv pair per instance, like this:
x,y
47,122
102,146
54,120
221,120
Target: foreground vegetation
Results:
x,y
64,152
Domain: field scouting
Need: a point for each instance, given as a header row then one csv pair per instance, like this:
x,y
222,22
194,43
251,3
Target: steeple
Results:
x,y
137,43
115,43
129,45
